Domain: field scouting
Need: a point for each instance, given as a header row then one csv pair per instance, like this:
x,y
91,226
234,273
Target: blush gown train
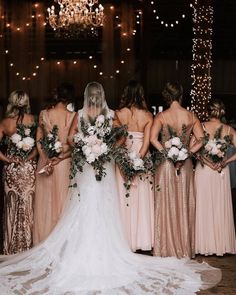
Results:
x,y
87,254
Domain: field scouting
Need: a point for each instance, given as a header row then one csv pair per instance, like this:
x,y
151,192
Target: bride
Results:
x,y
87,252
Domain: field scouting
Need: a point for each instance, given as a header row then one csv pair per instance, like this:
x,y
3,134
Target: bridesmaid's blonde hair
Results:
x,y
18,104
216,109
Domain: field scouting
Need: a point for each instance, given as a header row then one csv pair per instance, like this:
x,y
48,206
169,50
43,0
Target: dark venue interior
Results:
x,y
150,41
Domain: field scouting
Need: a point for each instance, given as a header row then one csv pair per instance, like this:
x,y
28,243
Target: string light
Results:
x,y
161,20
35,15
202,58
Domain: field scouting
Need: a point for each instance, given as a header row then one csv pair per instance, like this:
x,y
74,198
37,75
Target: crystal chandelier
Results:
x,y
76,16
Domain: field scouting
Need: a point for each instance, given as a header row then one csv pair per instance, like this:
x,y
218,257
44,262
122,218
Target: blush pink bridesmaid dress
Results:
x,y
51,191
215,231
137,211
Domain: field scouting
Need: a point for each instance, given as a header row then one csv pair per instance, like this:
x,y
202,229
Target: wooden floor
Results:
x,y
227,264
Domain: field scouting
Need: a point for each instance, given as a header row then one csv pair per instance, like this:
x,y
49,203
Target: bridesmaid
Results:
x,y
175,202
215,232
19,178
51,190
138,216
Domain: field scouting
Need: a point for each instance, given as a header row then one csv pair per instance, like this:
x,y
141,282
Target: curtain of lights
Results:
x,y
202,57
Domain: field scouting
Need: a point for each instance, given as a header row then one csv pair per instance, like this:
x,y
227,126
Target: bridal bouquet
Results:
x,y
51,146
95,145
215,149
23,141
176,150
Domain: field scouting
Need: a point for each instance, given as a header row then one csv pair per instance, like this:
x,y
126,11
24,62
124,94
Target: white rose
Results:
x,y
133,155
182,155
215,150
50,136
96,149
90,158
86,150
15,138
19,144
58,146
27,132
70,107
168,144
100,120
28,143
104,148
220,154
173,152
176,141
208,147
138,164
91,130
91,140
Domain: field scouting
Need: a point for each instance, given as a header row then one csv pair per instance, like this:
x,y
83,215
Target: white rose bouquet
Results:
x,y
23,141
215,149
176,150
51,144
131,166
95,145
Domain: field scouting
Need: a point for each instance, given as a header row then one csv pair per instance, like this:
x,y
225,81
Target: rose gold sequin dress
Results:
x,y
174,206
19,191
51,191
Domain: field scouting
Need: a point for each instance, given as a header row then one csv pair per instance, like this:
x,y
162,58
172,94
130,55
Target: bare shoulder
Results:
x,y
148,116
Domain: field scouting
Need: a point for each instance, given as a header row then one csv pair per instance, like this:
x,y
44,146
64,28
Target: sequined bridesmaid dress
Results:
x,y
19,192
174,227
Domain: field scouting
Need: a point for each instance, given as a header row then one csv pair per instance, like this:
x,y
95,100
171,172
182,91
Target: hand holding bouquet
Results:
x,y
52,148
215,149
176,151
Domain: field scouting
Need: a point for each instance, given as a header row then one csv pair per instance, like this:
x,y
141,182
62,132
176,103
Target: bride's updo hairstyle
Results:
x,y
216,109
18,105
172,91
133,95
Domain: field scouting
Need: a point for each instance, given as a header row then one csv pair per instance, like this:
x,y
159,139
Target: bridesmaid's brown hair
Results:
x,y
133,95
173,91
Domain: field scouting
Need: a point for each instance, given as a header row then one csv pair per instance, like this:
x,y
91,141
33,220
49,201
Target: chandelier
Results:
x,y
76,16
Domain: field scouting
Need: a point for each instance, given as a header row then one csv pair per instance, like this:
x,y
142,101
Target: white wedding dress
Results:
x,y
87,254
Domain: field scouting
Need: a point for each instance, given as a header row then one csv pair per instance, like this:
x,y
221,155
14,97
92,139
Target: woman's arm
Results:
x,y
2,156
146,140
154,133
33,154
117,123
73,130
233,157
198,137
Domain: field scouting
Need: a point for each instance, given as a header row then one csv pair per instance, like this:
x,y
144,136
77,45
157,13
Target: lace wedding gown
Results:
x,y
87,254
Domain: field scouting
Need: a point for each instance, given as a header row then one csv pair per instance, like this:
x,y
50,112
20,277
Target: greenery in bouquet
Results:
x,y
51,143
215,149
22,141
131,166
95,144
